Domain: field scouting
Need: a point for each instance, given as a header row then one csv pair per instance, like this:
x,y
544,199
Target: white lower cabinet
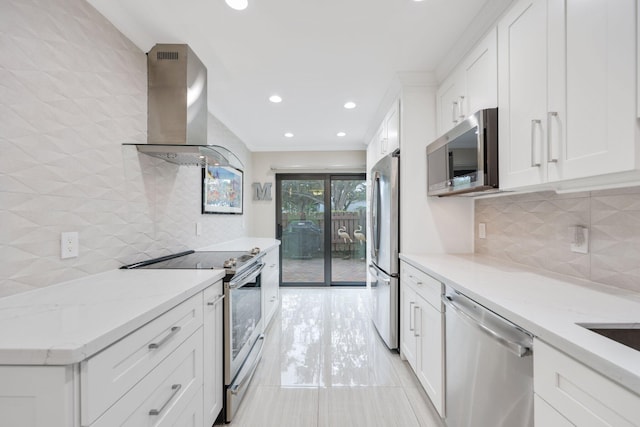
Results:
x,y
579,395
270,282
422,331
33,396
166,373
106,376
160,398
213,352
546,415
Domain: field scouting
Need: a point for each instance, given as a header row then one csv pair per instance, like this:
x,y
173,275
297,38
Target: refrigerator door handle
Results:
x,y
375,214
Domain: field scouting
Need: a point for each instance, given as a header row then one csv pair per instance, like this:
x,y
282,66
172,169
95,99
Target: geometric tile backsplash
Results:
x,y
72,90
533,229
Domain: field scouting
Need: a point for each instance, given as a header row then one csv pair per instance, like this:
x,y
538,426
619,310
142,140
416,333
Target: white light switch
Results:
x,y
69,244
482,230
198,228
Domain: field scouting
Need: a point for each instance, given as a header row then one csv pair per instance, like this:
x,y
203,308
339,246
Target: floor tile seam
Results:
x,y
411,404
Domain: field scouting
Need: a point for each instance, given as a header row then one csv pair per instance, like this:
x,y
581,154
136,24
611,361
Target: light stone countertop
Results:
x,y
68,322
548,305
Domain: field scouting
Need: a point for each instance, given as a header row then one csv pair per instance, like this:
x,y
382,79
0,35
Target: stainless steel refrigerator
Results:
x,y
384,227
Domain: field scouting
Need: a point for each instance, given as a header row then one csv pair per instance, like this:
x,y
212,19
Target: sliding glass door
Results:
x,y
321,246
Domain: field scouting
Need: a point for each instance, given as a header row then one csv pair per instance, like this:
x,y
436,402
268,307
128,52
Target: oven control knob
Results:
x,y
255,251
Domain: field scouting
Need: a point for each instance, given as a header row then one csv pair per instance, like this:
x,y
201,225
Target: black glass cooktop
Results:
x,y
192,260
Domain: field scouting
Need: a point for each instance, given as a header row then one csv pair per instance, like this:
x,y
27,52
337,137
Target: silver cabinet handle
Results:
x,y
534,164
411,315
155,345
176,388
550,157
415,332
454,115
417,282
460,108
216,301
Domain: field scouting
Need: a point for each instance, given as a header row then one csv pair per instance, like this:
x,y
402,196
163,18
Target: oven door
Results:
x,y
243,334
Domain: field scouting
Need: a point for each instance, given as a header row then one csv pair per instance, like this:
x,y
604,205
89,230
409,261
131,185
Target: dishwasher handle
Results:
x,y
514,347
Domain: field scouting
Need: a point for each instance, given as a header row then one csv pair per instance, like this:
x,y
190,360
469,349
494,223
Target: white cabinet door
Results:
x,y
422,331
580,394
599,75
392,128
522,88
38,396
429,328
213,351
480,70
546,416
270,286
449,96
408,343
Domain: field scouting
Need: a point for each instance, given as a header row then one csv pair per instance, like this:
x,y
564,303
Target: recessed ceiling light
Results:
x,y
275,99
341,134
350,105
288,135
237,4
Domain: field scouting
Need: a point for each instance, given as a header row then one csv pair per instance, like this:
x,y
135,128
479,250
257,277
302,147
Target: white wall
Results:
x,y
264,211
427,224
73,90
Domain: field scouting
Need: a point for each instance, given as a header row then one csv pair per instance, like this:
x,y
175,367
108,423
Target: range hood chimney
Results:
x,y
177,109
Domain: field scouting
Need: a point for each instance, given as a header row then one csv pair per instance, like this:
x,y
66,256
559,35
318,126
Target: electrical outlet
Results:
x,y
482,230
69,244
579,236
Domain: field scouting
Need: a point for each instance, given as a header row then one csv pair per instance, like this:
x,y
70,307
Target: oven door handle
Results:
x,y
238,282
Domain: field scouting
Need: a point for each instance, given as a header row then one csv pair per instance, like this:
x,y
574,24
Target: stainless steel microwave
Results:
x,y
465,159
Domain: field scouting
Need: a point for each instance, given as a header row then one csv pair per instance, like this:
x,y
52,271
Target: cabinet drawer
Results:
x,y
580,394
162,397
426,286
109,374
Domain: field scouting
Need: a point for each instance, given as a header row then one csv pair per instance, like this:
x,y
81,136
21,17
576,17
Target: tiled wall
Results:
x,y
532,229
72,90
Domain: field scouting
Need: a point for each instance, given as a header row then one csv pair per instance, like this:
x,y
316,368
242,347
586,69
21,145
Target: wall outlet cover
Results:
x,y
69,242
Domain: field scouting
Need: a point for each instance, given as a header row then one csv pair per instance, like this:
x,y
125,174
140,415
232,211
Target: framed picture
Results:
x,y
221,190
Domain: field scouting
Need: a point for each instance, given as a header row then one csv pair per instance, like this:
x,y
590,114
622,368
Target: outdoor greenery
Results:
x,y
306,197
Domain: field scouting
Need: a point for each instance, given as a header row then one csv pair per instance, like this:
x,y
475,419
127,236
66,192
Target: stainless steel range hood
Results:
x,y
177,109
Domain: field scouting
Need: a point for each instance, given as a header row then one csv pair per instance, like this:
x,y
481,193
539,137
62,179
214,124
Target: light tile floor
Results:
x,y
325,365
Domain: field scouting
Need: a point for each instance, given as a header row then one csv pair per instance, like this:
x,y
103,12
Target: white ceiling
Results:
x,y
316,54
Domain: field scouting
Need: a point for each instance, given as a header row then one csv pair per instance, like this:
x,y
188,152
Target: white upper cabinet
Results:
x,y
480,70
567,79
392,129
472,86
448,97
387,138
522,72
599,84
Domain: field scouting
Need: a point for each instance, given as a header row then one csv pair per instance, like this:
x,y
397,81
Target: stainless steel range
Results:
x,y
243,338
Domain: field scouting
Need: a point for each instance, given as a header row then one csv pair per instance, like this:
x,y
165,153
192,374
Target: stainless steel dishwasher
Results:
x,y
489,367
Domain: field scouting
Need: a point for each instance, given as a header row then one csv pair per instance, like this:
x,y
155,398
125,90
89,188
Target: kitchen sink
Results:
x,y
626,334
